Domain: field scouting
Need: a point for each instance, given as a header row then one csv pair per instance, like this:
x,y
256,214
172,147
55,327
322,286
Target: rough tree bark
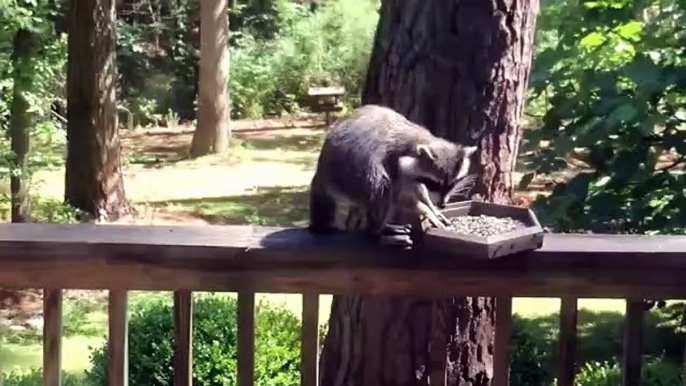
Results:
x,y
94,181
20,123
212,133
461,69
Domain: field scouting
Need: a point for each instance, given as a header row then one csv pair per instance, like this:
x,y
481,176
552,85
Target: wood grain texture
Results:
x,y
235,258
567,344
633,343
118,364
310,340
246,338
183,338
52,337
503,333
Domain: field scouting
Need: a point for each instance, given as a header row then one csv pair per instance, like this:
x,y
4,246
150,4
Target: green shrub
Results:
x,y
655,373
34,377
531,347
328,47
534,344
277,344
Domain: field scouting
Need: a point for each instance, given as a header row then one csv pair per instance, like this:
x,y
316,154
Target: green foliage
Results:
x,y
277,344
328,47
45,210
278,50
655,373
613,84
34,377
534,346
47,68
41,81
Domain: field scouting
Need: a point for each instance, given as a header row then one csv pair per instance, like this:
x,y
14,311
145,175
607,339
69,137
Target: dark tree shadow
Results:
x,y
299,143
270,206
156,150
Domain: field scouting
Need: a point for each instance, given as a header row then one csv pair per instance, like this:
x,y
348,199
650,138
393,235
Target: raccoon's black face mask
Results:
x,y
453,186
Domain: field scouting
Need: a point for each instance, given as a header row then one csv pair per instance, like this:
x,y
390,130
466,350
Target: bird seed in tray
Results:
x,y
484,226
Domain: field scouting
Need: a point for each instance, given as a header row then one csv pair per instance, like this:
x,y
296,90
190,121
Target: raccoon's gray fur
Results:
x,y
376,159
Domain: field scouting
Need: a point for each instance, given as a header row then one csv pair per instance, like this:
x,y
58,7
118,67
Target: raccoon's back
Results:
x,y
359,151
374,130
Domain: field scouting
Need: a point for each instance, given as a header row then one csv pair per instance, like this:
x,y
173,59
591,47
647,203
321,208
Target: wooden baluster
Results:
x,y
503,332
633,339
118,365
183,338
52,337
246,338
310,340
567,341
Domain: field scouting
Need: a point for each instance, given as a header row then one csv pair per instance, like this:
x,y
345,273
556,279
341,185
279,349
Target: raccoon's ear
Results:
x,y
424,151
469,151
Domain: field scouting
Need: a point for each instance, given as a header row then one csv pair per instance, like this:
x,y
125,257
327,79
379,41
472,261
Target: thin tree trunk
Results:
x,y
94,181
212,133
20,123
461,70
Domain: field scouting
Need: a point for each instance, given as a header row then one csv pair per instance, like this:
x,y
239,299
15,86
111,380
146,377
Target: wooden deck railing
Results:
x,y
247,260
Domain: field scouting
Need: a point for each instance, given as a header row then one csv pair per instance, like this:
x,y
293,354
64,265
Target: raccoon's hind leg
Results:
x,y
380,211
355,219
322,208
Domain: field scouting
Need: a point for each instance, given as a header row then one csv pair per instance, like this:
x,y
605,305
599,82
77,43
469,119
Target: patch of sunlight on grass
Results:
x,y
75,354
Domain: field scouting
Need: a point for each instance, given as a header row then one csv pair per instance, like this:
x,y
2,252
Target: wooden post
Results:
x,y
567,343
310,340
183,338
118,364
246,338
503,332
633,339
52,337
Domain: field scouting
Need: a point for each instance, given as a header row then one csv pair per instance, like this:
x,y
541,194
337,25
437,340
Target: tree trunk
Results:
x,y
20,123
461,70
94,181
212,133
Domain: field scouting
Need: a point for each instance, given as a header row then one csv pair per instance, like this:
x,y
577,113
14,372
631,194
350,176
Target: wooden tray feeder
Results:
x,y
490,247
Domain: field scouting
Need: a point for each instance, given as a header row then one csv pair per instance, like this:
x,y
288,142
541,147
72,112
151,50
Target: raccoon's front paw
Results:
x,y
396,241
394,229
444,220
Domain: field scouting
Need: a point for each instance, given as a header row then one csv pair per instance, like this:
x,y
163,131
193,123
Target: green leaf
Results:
x,y
602,181
526,180
579,185
631,30
592,40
